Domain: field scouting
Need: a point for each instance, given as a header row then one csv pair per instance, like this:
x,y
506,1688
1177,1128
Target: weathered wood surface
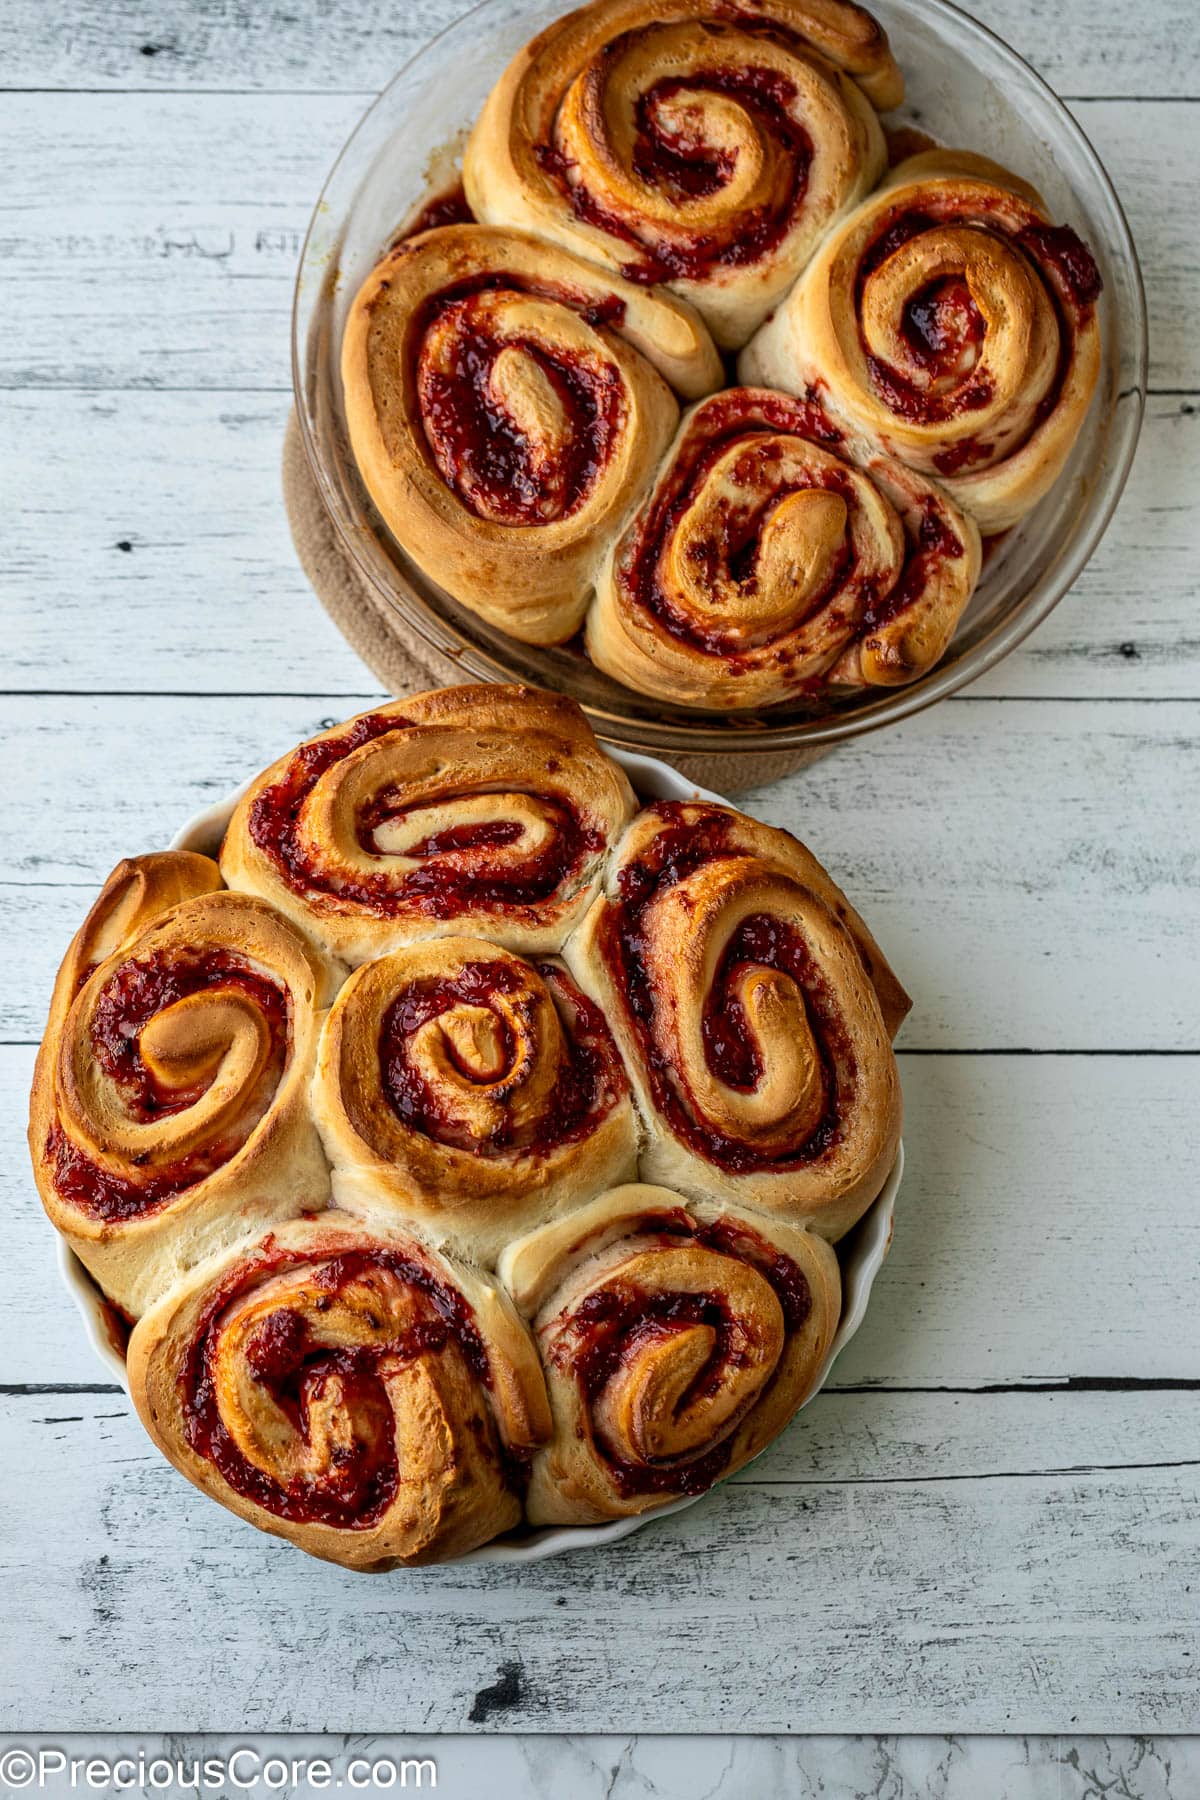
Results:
x,y
1042,1600
989,1521
1083,48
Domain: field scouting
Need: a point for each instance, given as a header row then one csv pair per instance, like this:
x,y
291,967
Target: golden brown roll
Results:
x,y
170,1106
139,890
755,1013
505,407
480,810
766,566
347,1388
479,1093
949,323
707,147
677,1338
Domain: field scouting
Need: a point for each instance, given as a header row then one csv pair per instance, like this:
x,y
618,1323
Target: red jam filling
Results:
x,y
448,208
908,401
759,942
357,1489
133,995
685,168
139,990
727,419
943,325
482,453
1063,252
935,541
945,328
455,878
616,1320
675,853
590,1082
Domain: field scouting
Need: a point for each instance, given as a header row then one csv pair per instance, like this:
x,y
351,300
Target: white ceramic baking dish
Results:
x,y
861,1253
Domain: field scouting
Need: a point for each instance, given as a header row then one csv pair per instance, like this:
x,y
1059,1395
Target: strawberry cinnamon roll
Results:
x,y
951,324
478,810
755,1013
776,561
479,1093
677,1338
347,1388
506,401
170,1102
706,147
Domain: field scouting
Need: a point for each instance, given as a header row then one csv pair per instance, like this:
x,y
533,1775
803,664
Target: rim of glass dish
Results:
x,y
705,737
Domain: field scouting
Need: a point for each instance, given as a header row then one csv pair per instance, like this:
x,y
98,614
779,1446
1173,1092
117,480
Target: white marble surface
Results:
x,y
989,1522
647,1768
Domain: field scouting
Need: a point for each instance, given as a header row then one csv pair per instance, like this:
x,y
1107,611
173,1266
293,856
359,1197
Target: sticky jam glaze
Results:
x,y
724,421
685,169
456,877
133,995
1058,249
679,850
591,1079
942,326
451,207
613,1322
355,1491
481,452
934,541
945,329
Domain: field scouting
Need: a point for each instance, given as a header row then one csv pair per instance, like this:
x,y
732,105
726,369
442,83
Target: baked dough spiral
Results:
x,y
705,147
677,1338
484,810
342,1147
347,1388
170,1100
755,1013
474,1091
766,566
949,323
506,401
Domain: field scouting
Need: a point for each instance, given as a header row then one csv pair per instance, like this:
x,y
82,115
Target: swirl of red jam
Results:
x,y
133,995
676,852
723,421
934,541
945,329
683,168
480,451
359,1486
612,1322
591,1080
460,873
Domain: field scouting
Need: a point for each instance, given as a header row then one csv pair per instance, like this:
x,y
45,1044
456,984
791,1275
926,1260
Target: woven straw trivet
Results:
x,y
404,664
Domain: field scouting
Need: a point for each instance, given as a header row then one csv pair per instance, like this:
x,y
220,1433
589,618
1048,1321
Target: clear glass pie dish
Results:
x,y
965,88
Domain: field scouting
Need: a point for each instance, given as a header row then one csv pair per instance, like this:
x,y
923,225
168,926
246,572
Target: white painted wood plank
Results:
x,y
1031,868
187,212
208,595
1013,1260
1012,1604
1085,48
